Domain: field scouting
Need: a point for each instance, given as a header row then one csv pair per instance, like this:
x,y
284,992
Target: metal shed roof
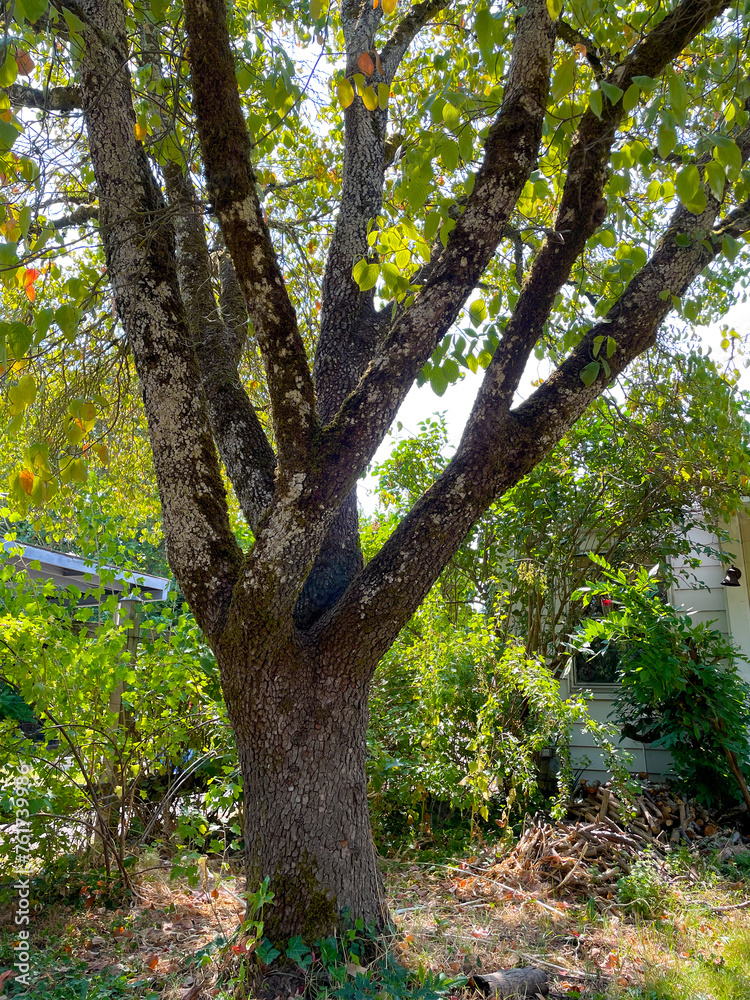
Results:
x,y
65,569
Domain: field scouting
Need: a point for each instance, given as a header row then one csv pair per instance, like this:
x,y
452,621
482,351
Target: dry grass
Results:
x,y
455,918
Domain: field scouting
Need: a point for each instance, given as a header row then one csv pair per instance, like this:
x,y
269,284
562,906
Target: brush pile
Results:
x,y
581,859
586,859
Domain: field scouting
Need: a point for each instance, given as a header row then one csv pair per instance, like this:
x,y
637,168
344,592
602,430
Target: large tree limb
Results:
x,y
388,591
139,246
406,31
65,99
226,149
581,210
247,456
510,152
349,329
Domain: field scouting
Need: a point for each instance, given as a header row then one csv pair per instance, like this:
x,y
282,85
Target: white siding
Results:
x,y
727,607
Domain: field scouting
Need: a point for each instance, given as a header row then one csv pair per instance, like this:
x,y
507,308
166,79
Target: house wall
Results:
x,y
727,607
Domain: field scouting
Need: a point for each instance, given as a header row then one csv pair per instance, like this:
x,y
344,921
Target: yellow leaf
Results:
x,y
345,93
139,132
370,98
389,6
315,9
383,94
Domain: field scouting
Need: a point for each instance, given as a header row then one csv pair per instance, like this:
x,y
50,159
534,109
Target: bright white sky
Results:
x,y
458,399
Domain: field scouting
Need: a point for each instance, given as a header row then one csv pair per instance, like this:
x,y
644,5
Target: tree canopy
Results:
x,y
278,218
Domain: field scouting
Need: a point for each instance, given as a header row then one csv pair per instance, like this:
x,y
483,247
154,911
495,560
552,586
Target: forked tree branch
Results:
x,y
406,31
226,149
510,153
582,208
392,585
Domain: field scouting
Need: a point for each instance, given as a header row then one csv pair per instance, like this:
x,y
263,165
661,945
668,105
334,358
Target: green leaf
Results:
x,y
688,183
564,79
438,381
450,370
483,28
678,97
611,346
451,116
613,92
598,341
32,10
666,139
730,247
27,389
645,83
449,154
66,318
365,274
590,373
631,97
715,178
383,95
478,312
316,8
19,339
8,70
729,155
446,229
595,102
554,7
8,134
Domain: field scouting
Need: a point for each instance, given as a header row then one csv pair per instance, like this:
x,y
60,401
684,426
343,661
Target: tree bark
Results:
x,y
301,729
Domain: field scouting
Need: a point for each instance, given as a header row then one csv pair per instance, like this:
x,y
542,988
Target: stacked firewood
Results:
x,y
656,813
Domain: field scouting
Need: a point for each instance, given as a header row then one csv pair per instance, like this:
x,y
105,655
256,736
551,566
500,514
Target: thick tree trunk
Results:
x,y
301,731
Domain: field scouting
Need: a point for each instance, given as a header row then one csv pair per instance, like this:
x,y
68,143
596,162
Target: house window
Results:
x,y
601,666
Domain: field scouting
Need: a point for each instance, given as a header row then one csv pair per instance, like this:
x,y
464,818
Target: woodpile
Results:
x,y
657,814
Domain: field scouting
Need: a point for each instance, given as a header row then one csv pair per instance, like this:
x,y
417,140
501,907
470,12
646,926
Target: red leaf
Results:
x,y
366,64
25,62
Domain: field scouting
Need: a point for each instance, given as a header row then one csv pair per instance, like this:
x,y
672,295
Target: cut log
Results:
x,y
512,983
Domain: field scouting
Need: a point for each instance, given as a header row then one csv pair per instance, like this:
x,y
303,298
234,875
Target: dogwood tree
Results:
x,y
282,255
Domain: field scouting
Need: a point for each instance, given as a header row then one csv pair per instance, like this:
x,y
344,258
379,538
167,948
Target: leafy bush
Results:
x,y
679,684
458,719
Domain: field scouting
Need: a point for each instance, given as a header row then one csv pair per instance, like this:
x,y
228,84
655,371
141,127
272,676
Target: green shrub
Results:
x,y
680,688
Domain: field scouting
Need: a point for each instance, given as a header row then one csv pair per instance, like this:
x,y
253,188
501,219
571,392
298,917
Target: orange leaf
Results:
x,y
215,893
366,64
30,293
30,275
378,64
139,132
151,961
26,480
25,62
